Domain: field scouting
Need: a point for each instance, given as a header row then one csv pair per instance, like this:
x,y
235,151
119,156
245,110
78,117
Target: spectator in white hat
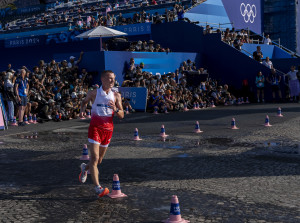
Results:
x,y
74,63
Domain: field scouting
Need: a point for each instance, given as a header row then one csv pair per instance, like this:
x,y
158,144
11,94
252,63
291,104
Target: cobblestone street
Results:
x,y
221,175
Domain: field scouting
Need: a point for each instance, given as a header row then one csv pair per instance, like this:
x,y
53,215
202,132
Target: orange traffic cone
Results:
x,y
175,216
116,188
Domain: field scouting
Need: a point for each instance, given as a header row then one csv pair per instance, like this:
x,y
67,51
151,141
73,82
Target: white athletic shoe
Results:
x,y
83,174
100,191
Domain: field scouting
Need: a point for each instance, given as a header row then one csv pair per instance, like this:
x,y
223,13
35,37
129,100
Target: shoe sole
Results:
x,y
105,192
80,178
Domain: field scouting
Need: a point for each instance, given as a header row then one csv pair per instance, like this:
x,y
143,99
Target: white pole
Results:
x,y
101,44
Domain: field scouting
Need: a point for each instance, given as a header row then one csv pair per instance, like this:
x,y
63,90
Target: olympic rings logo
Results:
x,y
248,12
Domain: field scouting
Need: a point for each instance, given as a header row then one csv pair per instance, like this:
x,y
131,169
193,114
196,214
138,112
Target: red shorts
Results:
x,y
99,136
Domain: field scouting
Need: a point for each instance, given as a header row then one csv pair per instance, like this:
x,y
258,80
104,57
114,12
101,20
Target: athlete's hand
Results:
x,y
112,105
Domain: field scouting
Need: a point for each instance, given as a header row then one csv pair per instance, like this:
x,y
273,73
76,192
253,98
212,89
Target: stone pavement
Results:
x,y
222,175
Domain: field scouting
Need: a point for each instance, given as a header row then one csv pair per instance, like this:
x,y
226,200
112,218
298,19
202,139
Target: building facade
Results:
x,y
282,21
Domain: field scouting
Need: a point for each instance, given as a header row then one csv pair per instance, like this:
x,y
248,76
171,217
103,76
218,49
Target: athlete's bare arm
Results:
x,y
117,105
91,96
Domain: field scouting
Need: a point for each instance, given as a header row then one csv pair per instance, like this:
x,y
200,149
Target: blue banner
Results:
x,y
135,29
19,11
23,42
245,14
137,97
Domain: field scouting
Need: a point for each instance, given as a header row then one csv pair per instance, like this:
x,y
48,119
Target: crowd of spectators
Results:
x,y
52,91
145,46
173,92
102,13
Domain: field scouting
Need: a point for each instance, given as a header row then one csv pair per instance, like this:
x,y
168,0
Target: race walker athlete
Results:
x,y
106,103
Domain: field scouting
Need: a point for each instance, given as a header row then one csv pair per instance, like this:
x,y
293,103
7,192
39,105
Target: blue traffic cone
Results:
x,y
85,153
136,135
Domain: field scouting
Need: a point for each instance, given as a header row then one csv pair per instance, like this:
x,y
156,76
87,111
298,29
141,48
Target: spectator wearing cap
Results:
x,y
21,89
74,63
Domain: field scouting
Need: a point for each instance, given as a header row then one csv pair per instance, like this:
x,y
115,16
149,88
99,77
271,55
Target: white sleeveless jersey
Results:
x,y
102,115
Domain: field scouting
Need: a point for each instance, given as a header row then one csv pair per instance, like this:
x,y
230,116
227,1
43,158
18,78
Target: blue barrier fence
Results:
x,y
137,97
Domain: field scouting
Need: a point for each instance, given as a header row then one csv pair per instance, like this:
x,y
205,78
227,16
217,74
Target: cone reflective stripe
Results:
x,y
197,128
233,125
34,119
247,100
267,121
175,215
163,131
155,110
25,119
136,135
195,106
85,153
30,118
279,114
14,122
127,110
116,188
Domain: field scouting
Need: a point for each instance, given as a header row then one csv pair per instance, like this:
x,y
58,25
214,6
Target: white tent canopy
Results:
x,y
101,31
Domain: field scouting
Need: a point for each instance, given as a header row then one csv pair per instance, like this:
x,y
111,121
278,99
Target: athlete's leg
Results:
x,y
93,164
102,151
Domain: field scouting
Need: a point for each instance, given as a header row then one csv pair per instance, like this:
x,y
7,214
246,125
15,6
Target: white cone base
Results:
x,y
279,115
163,135
14,124
198,131
82,118
84,158
117,195
267,125
182,221
137,139
234,127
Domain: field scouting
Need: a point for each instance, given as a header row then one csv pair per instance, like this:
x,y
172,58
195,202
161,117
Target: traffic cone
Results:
x,y
195,106
30,118
88,114
14,122
197,128
85,153
26,120
247,100
242,100
34,119
267,122
239,101
127,110
166,110
233,126
163,131
185,107
279,114
175,216
116,188
213,104
155,110
136,135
